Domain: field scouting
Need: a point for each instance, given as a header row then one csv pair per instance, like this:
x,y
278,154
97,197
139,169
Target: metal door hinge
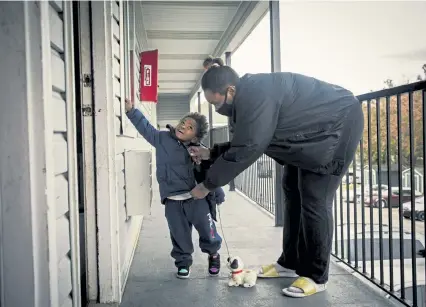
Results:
x,y
87,80
87,110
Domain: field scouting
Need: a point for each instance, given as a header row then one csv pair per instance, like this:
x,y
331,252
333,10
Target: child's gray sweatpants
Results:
x,y
181,215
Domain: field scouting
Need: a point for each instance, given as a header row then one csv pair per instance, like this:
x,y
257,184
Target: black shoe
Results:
x,y
214,265
183,272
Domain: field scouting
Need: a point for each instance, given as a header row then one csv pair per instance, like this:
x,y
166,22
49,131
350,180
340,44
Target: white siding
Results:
x,y
60,154
61,151
38,182
117,62
119,59
117,232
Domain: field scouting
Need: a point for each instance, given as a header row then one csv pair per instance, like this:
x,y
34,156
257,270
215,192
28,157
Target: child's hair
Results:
x,y
202,124
209,61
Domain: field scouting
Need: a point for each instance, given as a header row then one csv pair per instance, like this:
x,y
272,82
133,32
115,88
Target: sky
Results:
x,y
354,44
357,45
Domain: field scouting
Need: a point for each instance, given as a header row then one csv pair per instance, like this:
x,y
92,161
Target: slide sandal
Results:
x,y
303,287
270,271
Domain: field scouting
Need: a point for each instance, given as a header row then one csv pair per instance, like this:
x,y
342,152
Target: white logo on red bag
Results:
x,y
147,75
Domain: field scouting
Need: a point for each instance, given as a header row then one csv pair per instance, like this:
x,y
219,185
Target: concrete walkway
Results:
x,y
251,235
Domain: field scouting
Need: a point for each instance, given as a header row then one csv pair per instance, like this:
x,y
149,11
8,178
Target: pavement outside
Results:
x,y
250,234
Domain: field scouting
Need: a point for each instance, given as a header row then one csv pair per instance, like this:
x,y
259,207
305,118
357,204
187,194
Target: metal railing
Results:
x,y
379,208
221,134
379,227
258,183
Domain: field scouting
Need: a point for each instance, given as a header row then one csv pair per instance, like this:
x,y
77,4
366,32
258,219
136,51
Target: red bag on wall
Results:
x,y
149,76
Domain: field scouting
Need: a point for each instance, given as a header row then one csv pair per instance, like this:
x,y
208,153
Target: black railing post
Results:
x,y
228,63
274,13
199,102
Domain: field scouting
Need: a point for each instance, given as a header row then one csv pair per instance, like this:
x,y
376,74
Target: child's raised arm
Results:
x,y
142,124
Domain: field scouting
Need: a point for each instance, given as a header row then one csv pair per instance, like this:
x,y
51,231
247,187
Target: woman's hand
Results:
x,y
199,153
219,196
129,105
200,191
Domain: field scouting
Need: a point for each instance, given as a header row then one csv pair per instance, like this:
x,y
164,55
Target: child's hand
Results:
x,y
129,105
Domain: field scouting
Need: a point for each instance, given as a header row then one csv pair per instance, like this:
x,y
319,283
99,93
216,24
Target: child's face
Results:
x,y
186,130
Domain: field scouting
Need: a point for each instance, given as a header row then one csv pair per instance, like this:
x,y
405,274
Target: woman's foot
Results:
x,y
183,272
302,287
275,271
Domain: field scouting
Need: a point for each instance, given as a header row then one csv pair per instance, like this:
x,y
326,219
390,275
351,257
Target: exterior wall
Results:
x,y
39,243
39,211
130,139
22,226
61,123
115,76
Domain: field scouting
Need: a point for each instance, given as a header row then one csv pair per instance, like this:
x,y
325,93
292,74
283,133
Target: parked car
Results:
x,y
351,193
419,209
384,202
358,192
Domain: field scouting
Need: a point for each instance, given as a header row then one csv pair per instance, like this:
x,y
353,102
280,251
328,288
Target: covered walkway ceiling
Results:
x,y
186,32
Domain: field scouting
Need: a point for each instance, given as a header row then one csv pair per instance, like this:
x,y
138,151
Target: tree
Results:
x,y
377,109
378,113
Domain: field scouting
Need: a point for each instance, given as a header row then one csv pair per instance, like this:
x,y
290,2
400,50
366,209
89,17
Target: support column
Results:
x,y
199,102
274,14
228,63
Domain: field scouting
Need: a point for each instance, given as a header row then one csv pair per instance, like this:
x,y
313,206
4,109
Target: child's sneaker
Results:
x,y
183,272
214,264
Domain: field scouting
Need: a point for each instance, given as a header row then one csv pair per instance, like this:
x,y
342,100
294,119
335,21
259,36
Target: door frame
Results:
x,y
107,214
88,146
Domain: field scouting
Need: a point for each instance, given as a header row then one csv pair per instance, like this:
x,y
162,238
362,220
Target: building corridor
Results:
x,y
250,234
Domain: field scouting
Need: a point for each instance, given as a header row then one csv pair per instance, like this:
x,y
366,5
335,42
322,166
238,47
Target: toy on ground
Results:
x,y
239,275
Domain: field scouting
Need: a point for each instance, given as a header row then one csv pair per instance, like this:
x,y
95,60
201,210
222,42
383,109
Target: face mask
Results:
x,y
224,109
